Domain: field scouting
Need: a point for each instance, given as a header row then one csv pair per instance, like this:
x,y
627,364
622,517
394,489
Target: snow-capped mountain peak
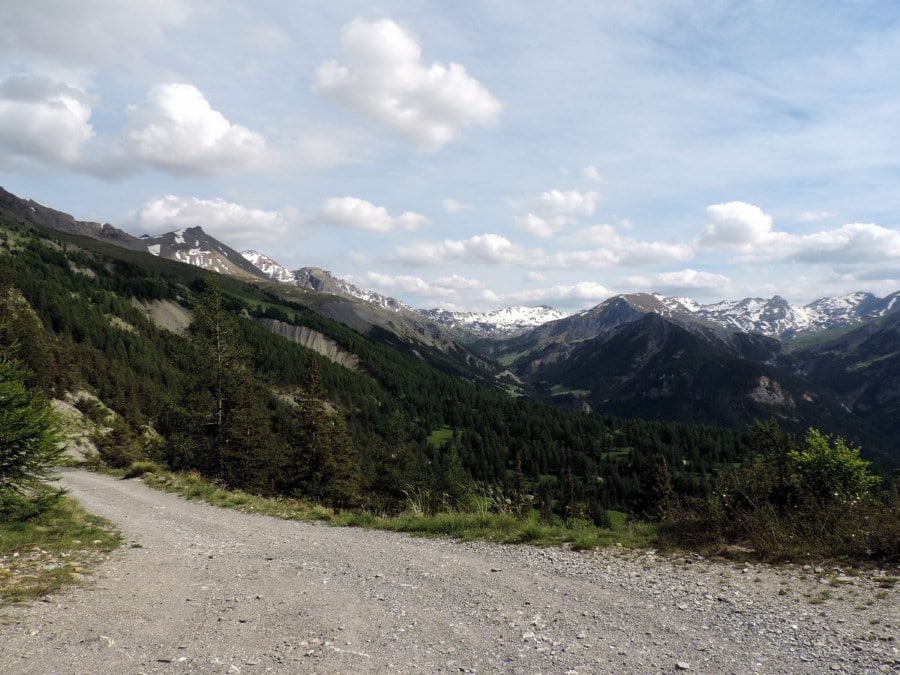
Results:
x,y
269,267
776,317
688,303
500,322
195,247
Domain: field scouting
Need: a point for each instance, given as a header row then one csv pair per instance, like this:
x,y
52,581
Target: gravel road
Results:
x,y
218,591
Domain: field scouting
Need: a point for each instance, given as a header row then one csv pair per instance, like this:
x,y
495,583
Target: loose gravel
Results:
x,y
201,589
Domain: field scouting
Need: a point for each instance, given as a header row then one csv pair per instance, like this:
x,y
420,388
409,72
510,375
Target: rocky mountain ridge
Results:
x,y
773,317
195,247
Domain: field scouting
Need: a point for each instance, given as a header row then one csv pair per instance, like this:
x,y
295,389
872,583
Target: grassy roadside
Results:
x,y
40,555
480,525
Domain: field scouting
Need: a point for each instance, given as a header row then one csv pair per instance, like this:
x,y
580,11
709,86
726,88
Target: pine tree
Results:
x,y
570,505
221,425
28,441
395,466
321,462
658,496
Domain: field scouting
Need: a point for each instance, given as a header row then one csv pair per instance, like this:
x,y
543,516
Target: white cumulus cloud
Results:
x,y
358,214
445,292
234,224
493,248
484,248
398,283
850,243
177,130
749,231
386,80
44,120
554,210
689,279
540,227
458,282
603,244
597,246
735,225
562,294
569,202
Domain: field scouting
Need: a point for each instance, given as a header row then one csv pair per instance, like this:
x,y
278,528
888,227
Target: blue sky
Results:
x,y
477,155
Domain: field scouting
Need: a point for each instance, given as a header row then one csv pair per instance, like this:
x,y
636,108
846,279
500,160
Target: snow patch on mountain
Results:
x,y
501,322
199,257
776,317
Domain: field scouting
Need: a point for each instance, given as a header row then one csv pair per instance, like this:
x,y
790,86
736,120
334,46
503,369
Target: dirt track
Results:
x,y
212,590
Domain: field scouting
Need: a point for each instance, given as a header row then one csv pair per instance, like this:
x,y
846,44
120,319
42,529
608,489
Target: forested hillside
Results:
x,y
255,410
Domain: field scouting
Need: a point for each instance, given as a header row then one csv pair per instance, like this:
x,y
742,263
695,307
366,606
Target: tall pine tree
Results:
x,y
221,424
322,462
28,441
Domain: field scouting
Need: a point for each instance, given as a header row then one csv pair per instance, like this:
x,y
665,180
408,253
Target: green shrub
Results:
x,y
830,470
789,501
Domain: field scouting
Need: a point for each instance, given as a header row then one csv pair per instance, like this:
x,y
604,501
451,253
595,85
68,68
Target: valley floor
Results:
x,y
200,589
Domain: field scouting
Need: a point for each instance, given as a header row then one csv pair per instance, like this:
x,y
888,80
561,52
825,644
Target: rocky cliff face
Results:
x,y
314,340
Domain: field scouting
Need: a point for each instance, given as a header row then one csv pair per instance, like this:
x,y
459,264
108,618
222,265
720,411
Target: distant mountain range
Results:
x,y
777,317
833,363
773,317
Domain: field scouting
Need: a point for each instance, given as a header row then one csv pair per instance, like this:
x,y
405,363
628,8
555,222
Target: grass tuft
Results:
x,y
40,555
136,469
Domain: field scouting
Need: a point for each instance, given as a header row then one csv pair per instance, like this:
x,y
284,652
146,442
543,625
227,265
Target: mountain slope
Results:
x,y
625,309
646,356
664,370
862,369
775,316
323,281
